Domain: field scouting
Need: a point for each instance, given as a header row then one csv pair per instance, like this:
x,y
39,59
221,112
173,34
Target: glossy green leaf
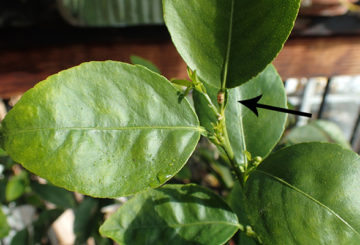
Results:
x,y
136,60
306,194
58,196
173,214
229,40
4,226
257,135
319,130
16,186
105,129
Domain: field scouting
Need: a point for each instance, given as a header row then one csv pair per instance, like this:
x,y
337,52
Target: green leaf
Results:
x,y
245,240
136,60
2,153
104,129
237,203
173,214
16,186
319,130
58,196
22,237
257,135
247,132
4,226
84,215
229,40
306,194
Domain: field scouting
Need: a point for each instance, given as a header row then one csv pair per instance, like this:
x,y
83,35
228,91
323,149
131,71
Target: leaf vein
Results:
x,y
228,48
310,197
15,132
185,225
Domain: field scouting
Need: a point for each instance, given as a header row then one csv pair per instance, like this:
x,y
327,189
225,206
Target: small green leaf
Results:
x,y
173,214
229,40
58,196
104,129
319,130
306,194
16,186
4,226
136,60
248,133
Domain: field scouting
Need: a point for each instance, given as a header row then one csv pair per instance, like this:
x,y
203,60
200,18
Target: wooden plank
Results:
x,y
22,67
324,56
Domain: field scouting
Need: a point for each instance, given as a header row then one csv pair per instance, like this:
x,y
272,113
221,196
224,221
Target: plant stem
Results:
x,y
212,106
220,136
229,151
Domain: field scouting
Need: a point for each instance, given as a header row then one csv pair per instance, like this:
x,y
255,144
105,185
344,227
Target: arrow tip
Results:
x,y
251,104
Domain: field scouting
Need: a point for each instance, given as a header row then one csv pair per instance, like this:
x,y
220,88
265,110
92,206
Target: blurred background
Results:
x,y
320,66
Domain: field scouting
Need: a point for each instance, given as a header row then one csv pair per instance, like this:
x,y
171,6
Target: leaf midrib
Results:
x,y
309,197
191,128
186,225
228,47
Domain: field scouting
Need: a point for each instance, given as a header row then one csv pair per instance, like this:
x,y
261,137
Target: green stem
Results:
x,y
201,89
230,153
221,136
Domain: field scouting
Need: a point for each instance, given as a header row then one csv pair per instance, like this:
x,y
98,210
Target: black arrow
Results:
x,y
252,104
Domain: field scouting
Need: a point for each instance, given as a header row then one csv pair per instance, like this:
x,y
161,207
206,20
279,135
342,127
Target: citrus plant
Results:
x,y
110,129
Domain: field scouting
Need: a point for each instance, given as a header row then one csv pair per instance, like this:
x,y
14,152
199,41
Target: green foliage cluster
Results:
x,y
19,189
109,129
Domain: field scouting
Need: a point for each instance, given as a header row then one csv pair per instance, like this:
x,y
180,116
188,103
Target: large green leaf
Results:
x,y
306,194
257,135
4,226
173,214
229,40
105,129
319,130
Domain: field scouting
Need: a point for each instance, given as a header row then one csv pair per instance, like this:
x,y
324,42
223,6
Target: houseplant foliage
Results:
x,y
109,129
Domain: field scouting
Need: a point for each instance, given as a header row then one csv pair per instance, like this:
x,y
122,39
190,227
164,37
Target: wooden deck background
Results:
x,y
29,57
